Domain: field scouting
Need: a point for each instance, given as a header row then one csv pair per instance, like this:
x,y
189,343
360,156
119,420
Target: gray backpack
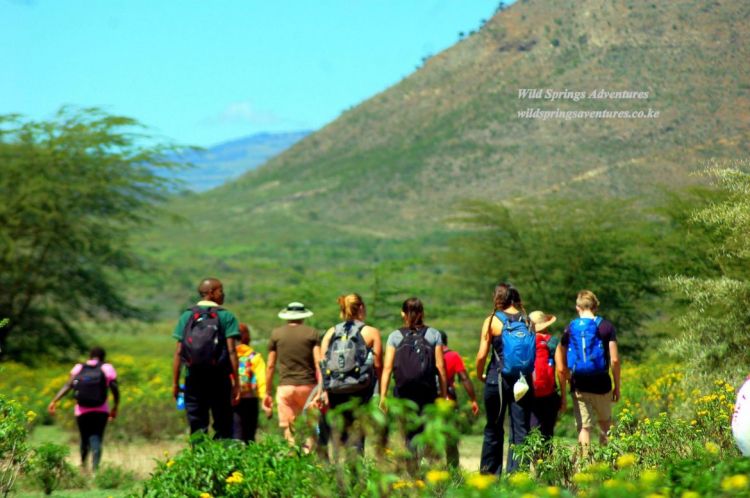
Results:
x,y
347,366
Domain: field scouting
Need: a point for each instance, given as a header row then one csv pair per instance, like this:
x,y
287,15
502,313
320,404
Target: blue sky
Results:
x,y
203,72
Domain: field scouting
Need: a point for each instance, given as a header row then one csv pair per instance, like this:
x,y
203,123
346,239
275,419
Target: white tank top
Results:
x,y
741,419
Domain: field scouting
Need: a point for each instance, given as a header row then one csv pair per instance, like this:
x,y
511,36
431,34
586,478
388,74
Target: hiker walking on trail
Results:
x,y
252,375
508,338
547,403
295,348
206,337
454,366
91,382
414,354
351,365
587,352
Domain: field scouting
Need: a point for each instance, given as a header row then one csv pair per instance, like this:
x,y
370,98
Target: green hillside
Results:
x,y
368,199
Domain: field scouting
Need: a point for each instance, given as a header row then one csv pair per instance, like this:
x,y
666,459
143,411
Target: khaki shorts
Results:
x,y
290,400
588,405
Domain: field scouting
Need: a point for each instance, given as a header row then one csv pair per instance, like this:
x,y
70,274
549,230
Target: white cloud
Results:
x,y
244,112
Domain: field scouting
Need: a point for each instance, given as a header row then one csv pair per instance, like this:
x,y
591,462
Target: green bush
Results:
x,y
14,450
114,477
47,466
229,468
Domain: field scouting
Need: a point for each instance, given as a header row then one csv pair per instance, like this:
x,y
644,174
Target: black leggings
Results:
x,y
245,419
91,425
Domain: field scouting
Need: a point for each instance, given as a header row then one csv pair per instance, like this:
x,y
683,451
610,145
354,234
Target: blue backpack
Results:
x,y
585,349
519,346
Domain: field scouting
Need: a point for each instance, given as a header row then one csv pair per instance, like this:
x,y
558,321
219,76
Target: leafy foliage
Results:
x,y
715,317
72,190
14,450
48,466
551,252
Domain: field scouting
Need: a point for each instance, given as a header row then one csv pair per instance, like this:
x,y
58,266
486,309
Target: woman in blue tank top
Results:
x,y
498,390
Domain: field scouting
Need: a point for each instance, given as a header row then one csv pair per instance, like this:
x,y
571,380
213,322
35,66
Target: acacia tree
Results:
x,y
71,191
552,251
715,320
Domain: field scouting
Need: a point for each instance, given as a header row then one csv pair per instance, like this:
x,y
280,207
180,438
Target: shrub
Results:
x,y
13,448
48,467
114,477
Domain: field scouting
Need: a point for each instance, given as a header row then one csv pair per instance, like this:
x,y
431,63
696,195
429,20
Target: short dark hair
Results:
x,y
97,352
444,337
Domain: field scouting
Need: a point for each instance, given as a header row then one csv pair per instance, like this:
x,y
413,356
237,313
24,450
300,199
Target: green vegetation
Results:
x,y
72,190
714,318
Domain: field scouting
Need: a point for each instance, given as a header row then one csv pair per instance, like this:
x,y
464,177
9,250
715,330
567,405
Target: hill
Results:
x,y
354,204
226,161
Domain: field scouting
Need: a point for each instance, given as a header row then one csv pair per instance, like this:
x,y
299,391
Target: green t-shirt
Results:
x,y
227,319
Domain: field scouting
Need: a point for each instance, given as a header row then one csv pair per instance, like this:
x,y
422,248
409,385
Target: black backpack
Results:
x,y
204,346
346,368
90,386
414,365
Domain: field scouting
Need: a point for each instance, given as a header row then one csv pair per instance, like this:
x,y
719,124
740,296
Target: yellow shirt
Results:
x,y
252,372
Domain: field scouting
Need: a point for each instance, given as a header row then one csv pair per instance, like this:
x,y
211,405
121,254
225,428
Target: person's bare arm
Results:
x,y
116,395
324,345
235,363
484,348
442,376
316,358
469,387
176,366
377,351
561,367
270,369
614,361
62,392
385,378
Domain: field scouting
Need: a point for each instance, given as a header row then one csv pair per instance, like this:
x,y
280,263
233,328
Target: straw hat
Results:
x,y
295,311
541,320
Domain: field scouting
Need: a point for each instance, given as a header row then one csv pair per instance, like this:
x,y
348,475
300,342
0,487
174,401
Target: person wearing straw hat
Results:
x,y
295,349
547,401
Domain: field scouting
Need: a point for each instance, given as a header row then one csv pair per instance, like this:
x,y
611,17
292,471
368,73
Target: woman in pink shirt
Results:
x,y
91,382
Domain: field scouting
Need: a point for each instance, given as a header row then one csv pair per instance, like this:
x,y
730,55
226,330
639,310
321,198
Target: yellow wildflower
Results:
x,y
528,495
734,483
583,478
690,494
419,483
445,406
553,491
712,448
235,478
626,460
436,476
401,484
30,416
598,467
480,481
611,483
520,479
170,463
206,495
650,476
693,422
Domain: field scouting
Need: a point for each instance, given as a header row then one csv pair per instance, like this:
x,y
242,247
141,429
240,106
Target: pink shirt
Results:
x,y
109,373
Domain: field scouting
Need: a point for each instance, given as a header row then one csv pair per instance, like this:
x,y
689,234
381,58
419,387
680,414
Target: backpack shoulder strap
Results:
x,y
357,327
502,317
598,321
